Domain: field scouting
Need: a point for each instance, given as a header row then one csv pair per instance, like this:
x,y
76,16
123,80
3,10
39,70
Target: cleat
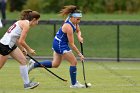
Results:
x,y
77,85
31,85
31,65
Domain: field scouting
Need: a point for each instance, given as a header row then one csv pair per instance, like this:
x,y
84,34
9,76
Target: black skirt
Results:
x,y
5,49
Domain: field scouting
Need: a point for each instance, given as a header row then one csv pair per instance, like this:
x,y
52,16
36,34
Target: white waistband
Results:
x,y
57,38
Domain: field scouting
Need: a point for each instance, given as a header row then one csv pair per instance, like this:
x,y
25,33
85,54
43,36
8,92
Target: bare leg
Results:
x,y
19,56
69,56
57,58
2,60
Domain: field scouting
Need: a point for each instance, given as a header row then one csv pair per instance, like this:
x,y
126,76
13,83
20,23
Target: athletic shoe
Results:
x,y
77,85
31,65
31,85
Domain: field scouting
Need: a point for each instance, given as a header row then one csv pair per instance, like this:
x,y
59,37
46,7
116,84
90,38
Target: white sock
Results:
x,y
24,74
1,24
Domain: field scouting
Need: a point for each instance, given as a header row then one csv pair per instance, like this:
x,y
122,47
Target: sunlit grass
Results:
x,y
90,16
105,77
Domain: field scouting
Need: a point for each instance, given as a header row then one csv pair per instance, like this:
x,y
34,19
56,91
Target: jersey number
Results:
x,y
11,28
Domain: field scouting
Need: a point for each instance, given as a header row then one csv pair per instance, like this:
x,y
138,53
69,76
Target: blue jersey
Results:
x,y
60,43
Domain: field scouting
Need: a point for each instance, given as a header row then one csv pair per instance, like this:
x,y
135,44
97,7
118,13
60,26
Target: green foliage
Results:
x,y
37,5
47,6
98,7
93,6
16,4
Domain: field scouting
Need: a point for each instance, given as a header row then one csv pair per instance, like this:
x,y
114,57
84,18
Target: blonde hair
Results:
x,y
69,9
29,15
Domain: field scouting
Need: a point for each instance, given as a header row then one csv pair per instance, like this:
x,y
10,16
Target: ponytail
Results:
x,y
68,9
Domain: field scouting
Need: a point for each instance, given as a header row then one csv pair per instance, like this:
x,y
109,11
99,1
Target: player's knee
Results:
x,y
23,61
55,66
0,67
74,63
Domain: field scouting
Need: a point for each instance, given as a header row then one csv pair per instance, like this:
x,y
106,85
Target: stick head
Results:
x,y
88,85
65,80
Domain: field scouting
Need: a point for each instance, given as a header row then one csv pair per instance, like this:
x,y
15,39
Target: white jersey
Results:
x,y
11,36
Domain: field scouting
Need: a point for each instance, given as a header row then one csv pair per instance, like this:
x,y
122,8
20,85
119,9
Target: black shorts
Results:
x,y
5,49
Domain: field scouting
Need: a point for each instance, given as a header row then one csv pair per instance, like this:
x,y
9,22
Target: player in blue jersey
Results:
x,y
63,43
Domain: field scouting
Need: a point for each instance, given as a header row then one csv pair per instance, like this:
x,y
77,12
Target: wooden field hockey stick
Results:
x,y
46,68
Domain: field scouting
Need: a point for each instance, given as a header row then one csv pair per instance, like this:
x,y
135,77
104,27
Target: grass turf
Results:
x,y
105,77
90,16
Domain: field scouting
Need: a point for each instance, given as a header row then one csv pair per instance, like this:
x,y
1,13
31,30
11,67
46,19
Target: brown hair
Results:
x,y
69,9
29,15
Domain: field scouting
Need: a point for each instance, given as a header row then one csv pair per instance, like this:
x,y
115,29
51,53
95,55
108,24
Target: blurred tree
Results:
x,y
120,6
16,5
94,6
109,6
56,5
98,6
49,5
76,2
86,5
132,6
37,5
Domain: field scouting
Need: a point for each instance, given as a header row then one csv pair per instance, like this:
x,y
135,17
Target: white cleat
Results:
x,y
31,65
77,85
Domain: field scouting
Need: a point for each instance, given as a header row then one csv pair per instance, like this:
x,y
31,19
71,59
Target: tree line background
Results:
x,y
87,6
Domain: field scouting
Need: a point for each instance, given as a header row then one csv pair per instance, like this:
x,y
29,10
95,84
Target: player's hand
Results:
x,y
24,51
32,52
81,57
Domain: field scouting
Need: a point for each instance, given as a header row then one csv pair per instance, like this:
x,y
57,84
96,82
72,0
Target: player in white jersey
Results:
x,y
13,44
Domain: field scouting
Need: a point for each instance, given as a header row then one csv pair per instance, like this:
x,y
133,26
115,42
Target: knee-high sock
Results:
x,y
24,74
46,63
73,71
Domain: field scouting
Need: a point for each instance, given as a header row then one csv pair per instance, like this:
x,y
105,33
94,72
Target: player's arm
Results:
x,y
21,41
80,38
68,29
19,45
21,48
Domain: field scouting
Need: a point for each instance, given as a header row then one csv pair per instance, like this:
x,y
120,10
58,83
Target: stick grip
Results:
x,y
81,44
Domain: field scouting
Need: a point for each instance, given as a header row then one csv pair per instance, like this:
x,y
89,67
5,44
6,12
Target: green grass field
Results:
x,y
91,16
105,77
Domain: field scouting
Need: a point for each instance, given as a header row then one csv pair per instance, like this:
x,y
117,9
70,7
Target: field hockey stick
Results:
x,y
83,65
46,68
